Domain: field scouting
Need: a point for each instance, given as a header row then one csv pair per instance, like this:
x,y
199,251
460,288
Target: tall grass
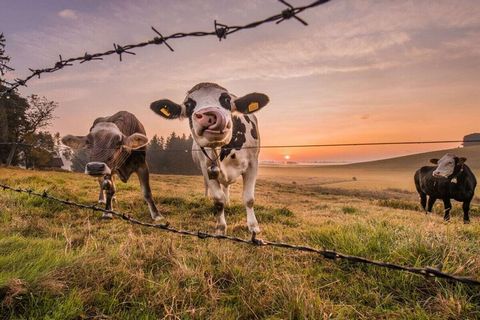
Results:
x,y
64,263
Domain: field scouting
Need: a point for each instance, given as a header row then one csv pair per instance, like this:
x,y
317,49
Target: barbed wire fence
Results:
x,y
325,253
349,144
221,31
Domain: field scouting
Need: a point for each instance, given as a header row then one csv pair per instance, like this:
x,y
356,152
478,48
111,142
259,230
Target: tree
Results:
x,y
12,115
4,59
171,156
38,157
21,121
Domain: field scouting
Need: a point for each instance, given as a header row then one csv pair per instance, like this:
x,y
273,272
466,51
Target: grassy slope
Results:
x,y
64,263
389,173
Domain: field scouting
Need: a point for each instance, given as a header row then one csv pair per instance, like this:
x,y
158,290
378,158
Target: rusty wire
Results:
x,y
325,253
221,31
351,144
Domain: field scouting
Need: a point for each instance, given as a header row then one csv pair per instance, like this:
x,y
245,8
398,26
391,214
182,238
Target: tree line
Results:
x,y
23,121
172,155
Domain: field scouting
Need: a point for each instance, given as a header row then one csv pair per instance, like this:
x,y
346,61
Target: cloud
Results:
x,y
359,70
68,14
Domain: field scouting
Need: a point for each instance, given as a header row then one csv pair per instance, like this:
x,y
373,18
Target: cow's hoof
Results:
x,y
466,221
107,216
221,230
158,218
254,228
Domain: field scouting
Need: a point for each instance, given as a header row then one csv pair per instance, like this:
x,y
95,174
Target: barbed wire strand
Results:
x,y
220,31
352,144
328,254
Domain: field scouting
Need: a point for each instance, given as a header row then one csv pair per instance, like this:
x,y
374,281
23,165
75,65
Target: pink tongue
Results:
x,y
220,124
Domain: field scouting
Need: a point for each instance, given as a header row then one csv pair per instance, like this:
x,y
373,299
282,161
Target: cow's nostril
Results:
x,y
198,116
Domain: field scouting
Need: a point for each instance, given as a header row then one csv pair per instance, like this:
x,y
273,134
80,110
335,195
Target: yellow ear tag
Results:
x,y
165,111
253,106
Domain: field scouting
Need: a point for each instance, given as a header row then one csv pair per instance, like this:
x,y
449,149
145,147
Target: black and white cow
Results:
x,y
116,145
226,132
450,179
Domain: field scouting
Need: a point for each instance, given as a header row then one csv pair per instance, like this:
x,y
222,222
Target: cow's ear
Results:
x,y
75,142
434,161
166,108
462,160
251,102
136,140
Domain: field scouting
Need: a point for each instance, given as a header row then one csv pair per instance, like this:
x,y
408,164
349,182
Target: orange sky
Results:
x,y
361,71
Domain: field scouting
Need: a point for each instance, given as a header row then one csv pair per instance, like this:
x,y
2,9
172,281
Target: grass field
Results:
x,y
391,173
62,263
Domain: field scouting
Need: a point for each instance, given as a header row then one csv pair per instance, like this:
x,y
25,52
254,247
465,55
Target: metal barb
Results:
x,y
290,13
160,39
89,57
221,30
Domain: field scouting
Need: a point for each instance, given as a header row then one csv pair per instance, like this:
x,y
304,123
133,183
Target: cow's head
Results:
x,y
107,147
447,165
209,108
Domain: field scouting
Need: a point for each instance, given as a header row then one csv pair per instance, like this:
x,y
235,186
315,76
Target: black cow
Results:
x,y
450,179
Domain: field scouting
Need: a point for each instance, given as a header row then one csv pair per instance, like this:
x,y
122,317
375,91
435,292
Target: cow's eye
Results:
x,y
189,106
225,100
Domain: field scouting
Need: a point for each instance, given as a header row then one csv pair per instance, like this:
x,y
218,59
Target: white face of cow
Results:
x,y
446,165
209,109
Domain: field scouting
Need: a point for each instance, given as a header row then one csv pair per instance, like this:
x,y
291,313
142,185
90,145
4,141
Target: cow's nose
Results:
x,y
211,119
97,169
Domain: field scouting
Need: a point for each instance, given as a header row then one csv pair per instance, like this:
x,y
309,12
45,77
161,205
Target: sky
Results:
x,y
360,71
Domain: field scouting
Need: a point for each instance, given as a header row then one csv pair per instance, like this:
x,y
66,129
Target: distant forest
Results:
x,y
172,155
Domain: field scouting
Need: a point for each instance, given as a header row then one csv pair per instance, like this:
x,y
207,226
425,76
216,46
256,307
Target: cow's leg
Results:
x,y
101,195
466,209
431,202
219,203
144,178
423,201
218,196
205,181
226,192
109,187
448,206
249,180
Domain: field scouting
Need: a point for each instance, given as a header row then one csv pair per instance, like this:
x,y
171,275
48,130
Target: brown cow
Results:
x,y
116,145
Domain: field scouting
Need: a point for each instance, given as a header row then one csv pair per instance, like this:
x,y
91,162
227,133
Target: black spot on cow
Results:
x,y
254,131
190,106
225,101
247,118
238,138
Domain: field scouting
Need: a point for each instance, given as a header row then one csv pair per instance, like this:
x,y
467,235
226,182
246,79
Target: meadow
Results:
x,y
60,262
